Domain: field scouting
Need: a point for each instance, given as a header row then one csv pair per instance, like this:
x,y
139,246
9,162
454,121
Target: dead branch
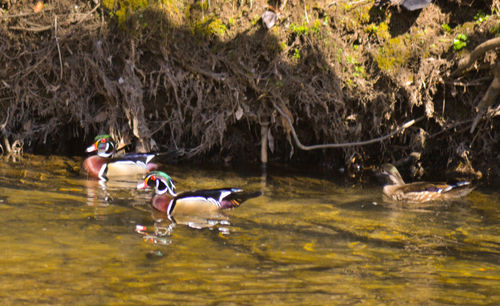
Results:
x,y
345,144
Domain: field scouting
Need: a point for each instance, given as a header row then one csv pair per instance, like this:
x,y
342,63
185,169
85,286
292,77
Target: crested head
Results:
x,y
104,145
392,174
160,181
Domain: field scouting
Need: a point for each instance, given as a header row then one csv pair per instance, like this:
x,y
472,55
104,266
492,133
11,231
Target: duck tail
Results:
x,y
458,190
236,198
171,156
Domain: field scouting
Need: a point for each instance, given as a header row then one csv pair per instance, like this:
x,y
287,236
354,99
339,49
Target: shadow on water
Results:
x,y
305,239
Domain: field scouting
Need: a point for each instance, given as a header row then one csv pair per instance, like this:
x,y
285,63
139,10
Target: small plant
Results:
x,y
372,29
446,27
299,29
325,21
480,17
296,54
359,71
460,42
339,54
255,19
317,26
283,45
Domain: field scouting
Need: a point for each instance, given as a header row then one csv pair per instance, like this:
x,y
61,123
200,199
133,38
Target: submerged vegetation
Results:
x,y
209,78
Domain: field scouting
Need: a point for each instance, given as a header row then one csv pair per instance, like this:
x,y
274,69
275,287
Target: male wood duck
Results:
x,y
204,202
107,164
420,192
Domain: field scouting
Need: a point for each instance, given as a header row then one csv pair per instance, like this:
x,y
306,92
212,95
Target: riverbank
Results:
x,y
210,79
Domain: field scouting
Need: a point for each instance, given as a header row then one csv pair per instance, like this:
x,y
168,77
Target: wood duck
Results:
x,y
106,163
204,202
420,192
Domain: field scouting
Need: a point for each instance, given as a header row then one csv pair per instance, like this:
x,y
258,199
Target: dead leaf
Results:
x,y
38,7
239,113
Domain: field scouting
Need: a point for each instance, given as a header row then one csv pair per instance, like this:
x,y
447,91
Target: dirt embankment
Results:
x,y
207,77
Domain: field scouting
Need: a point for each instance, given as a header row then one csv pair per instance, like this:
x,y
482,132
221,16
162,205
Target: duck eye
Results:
x,y
103,140
153,178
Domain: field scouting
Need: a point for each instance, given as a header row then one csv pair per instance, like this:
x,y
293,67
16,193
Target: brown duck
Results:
x,y
420,192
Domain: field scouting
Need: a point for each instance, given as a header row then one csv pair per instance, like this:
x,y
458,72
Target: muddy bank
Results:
x,y
208,78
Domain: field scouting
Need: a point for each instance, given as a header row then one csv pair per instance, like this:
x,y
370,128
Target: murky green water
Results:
x,y
67,240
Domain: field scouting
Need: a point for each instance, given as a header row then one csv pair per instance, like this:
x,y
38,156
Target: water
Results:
x,y
67,240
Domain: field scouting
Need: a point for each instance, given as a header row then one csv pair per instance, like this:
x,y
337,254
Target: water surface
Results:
x,y
66,240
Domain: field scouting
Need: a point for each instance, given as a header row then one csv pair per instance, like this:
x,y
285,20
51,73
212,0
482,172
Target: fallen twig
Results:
x,y
32,29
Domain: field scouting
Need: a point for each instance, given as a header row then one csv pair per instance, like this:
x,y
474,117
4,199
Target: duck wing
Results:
x,y
221,198
437,191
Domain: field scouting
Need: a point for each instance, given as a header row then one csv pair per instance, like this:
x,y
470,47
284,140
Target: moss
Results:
x,y
362,14
210,26
393,54
123,9
383,31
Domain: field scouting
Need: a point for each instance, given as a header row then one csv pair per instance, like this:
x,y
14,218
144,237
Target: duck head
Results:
x,y
160,181
391,174
104,145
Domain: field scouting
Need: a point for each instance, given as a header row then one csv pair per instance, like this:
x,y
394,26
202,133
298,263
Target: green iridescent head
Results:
x,y
104,145
160,181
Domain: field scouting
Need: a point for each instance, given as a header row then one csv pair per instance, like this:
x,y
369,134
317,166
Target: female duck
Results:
x,y
107,164
200,203
420,192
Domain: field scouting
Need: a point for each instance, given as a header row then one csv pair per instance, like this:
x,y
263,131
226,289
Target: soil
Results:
x,y
209,79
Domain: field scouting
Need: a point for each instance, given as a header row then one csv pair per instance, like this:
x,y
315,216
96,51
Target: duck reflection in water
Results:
x,y
197,209
101,194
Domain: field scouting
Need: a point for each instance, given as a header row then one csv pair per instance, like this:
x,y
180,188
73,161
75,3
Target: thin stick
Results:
x,y
305,12
346,144
283,4
58,48
32,29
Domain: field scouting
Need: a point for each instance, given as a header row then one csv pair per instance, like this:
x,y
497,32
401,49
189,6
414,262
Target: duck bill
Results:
x,y
92,148
142,185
